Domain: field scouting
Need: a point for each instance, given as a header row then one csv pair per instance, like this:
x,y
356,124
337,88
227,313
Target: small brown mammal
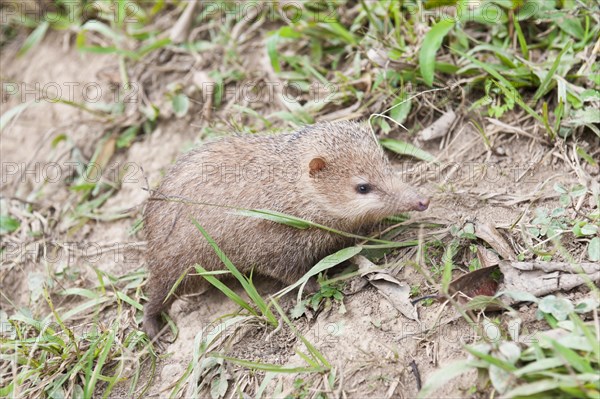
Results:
x,y
335,174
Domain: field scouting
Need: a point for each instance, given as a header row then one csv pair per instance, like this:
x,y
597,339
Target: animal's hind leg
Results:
x,y
157,303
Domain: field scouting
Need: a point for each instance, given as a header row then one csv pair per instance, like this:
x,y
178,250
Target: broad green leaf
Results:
x,y
180,104
559,188
218,387
557,307
590,95
571,26
586,305
400,109
8,224
589,229
578,190
431,44
324,264
126,138
500,378
587,115
404,148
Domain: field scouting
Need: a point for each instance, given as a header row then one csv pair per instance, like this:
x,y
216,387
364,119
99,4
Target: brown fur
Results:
x,y
312,174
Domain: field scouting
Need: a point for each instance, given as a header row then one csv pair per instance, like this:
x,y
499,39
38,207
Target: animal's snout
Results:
x,y
423,204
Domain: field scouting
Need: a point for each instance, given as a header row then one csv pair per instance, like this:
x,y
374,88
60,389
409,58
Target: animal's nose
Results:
x,y
423,204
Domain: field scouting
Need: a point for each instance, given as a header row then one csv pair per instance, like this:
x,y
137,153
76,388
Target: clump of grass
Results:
x,y
560,363
74,352
551,226
208,369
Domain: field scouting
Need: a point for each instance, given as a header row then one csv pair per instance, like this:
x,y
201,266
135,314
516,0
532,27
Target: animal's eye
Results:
x,y
363,188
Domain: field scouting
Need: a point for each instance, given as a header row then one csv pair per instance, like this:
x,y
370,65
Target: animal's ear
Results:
x,y
315,166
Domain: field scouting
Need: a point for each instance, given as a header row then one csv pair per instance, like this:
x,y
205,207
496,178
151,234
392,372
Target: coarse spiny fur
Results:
x,y
316,173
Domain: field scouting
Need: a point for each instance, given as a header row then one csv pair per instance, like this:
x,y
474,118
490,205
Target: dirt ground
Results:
x,y
376,349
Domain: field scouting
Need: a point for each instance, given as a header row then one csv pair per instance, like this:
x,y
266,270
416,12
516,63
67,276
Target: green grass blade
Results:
x,y
224,289
85,306
175,285
545,84
572,358
506,366
271,44
307,359
34,38
311,349
126,298
91,385
80,292
275,217
246,284
588,333
151,47
539,365
264,384
431,44
533,388
12,113
522,40
324,264
275,368
449,254
340,31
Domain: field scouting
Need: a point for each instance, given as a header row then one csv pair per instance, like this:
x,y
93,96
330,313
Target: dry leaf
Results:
x,y
207,86
487,257
398,293
439,128
542,278
475,283
181,29
489,234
